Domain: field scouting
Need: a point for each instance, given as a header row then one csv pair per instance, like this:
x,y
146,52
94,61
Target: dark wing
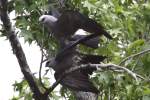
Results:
x,y
91,26
70,21
93,43
92,59
75,20
71,45
66,25
78,82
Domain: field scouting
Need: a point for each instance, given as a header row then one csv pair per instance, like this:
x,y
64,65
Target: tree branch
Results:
x,y
134,55
40,70
114,67
18,51
99,67
55,84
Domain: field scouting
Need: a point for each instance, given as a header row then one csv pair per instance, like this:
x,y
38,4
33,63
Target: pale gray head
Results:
x,y
48,21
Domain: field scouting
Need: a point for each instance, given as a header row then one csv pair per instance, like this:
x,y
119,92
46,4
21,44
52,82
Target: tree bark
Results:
x,y
18,51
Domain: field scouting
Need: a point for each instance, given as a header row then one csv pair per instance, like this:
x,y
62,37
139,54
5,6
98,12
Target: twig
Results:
x,y
108,66
113,66
42,49
135,64
139,76
134,55
45,60
54,85
125,69
40,70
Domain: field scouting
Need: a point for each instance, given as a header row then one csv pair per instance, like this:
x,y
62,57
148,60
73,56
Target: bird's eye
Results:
x,y
43,19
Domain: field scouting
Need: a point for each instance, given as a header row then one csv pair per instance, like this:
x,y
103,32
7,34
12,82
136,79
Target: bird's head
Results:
x,y
47,20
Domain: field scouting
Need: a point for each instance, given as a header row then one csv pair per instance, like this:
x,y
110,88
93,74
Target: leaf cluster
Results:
x,y
126,20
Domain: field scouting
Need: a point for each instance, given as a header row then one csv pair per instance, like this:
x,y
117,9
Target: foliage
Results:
x,y
126,20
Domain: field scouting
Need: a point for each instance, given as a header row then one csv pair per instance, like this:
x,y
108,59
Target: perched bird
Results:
x,y
72,57
65,26
69,22
77,80
63,29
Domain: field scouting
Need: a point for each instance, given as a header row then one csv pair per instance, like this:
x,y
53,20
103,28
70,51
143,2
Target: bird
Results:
x,y
63,29
80,58
92,59
69,22
77,80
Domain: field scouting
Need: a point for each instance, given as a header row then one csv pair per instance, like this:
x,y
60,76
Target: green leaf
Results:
x,y
146,91
135,46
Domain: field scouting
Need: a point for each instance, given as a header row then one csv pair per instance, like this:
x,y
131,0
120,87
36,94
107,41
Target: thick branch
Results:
x,y
134,55
112,67
100,67
18,51
103,66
